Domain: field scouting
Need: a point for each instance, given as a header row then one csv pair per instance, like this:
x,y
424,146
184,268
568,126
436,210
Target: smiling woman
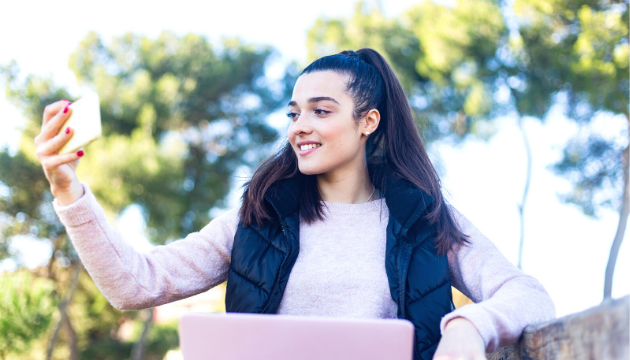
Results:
x,y
346,220
352,106
352,138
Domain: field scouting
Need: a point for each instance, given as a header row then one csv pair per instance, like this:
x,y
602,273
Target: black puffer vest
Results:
x,y
419,281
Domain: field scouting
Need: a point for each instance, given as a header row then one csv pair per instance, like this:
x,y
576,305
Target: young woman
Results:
x,y
346,220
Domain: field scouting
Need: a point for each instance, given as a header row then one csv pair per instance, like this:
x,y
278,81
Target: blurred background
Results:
x,y
522,104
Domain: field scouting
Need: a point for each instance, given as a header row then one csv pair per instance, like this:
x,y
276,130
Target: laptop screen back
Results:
x,y
278,337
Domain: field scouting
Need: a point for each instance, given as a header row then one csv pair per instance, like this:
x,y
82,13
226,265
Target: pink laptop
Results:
x,y
283,337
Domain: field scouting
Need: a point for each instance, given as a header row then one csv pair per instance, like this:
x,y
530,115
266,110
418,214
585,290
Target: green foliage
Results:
x,y
577,52
100,325
107,350
26,209
161,339
439,53
366,28
576,47
26,309
593,165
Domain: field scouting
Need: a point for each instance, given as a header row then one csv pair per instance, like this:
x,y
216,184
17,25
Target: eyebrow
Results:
x,y
314,100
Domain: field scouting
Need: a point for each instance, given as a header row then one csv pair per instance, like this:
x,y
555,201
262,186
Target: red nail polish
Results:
x,y
65,110
68,130
80,153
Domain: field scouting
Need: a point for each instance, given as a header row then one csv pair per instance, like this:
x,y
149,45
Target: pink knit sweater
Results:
x,y
339,271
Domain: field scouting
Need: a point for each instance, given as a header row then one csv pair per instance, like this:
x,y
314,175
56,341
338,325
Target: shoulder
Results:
x,y
477,240
462,222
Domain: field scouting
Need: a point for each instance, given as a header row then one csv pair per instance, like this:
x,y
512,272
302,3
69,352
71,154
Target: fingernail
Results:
x,y
65,110
80,153
64,100
68,130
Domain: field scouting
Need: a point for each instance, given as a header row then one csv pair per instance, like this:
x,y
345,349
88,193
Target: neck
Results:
x,y
346,186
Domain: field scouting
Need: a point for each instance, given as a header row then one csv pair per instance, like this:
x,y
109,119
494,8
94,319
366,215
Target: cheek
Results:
x,y
343,149
290,135
340,140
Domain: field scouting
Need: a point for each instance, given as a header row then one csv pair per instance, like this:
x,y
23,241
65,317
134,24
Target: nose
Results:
x,y
301,126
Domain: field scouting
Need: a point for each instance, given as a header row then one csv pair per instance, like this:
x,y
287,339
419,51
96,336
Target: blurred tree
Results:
x,y
64,320
178,116
444,56
26,309
575,53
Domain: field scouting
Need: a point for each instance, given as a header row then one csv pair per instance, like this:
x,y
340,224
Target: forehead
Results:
x,y
321,84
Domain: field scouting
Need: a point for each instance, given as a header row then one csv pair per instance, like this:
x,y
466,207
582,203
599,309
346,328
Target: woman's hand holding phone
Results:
x,y
60,170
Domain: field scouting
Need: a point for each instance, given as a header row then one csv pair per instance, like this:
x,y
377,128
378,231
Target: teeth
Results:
x,y
309,146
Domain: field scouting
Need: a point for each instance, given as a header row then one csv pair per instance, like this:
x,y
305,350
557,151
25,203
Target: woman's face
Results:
x,y
321,114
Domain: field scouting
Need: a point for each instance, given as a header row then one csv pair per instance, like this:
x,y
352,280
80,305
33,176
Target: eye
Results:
x,y
321,112
292,115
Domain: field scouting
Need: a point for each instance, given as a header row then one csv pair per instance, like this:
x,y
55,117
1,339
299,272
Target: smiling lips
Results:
x,y
307,149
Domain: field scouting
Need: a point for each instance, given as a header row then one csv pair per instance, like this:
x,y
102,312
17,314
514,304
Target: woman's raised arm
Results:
x,y
506,299
131,280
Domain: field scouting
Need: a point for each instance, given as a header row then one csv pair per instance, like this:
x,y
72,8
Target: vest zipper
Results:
x,y
284,258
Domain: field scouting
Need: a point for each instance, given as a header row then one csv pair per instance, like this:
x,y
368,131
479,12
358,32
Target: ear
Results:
x,y
371,121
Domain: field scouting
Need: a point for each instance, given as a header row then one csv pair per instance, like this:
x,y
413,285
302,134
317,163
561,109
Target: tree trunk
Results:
x,y
51,261
528,178
137,353
621,227
63,306
72,338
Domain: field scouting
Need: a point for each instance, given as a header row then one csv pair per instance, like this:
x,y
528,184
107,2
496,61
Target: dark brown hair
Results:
x,y
395,147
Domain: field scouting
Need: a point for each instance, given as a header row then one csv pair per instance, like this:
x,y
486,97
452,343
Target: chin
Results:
x,y
310,170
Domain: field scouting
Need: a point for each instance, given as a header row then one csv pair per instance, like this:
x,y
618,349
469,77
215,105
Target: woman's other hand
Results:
x,y
460,340
60,170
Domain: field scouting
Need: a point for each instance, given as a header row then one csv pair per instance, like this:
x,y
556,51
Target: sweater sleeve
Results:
x,y
131,280
506,299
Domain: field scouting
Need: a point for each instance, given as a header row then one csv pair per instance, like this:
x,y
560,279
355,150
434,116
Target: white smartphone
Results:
x,y
85,121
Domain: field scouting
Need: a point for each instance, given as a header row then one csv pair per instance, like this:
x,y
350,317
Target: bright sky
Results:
x,y
565,250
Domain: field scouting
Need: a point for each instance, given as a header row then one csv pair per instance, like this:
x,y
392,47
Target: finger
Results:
x,y
51,128
52,146
52,109
55,161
